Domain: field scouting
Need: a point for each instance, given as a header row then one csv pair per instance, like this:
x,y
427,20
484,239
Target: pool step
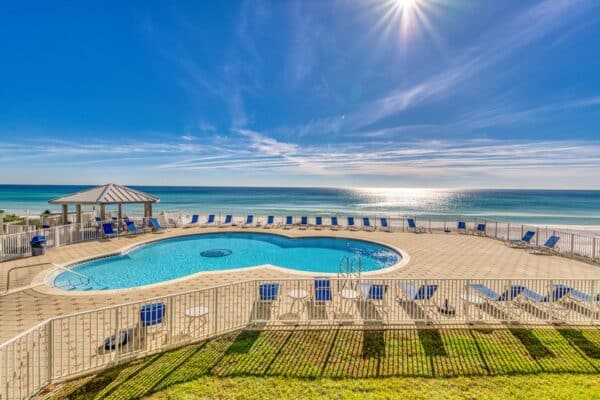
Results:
x,y
86,288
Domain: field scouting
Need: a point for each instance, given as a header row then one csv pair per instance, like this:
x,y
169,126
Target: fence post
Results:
x,y
593,248
523,230
171,327
537,236
591,300
215,312
508,231
117,333
496,232
50,350
572,243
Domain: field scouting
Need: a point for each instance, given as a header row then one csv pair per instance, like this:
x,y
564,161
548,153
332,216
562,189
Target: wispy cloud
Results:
x,y
303,49
251,153
536,22
509,115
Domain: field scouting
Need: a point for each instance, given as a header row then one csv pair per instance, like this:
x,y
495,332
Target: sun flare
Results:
x,y
406,18
406,3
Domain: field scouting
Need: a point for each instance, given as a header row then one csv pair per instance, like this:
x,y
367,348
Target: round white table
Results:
x,y
298,297
196,313
349,294
298,294
349,298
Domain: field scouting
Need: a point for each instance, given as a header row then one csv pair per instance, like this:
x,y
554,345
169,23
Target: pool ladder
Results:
x,y
350,269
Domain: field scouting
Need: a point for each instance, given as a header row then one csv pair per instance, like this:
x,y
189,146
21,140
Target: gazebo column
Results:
x,y
102,212
65,214
147,211
78,211
120,216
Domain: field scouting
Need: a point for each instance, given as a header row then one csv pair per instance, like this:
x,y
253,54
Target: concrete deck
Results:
x,y
435,255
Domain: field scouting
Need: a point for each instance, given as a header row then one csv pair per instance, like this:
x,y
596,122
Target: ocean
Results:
x,y
546,207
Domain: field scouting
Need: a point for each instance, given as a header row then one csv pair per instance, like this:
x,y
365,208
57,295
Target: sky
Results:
x,y
371,93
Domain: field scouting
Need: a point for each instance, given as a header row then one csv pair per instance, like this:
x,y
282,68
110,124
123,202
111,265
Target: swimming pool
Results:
x,y
170,259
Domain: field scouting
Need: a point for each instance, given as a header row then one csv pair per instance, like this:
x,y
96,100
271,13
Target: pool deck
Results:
x,y
432,255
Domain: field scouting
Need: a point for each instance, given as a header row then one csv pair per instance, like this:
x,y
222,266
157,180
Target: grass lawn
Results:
x,y
349,364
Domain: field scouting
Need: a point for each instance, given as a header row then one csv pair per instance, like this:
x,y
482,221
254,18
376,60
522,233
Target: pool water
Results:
x,y
175,258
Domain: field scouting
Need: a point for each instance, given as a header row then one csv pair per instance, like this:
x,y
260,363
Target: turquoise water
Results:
x,y
176,258
548,207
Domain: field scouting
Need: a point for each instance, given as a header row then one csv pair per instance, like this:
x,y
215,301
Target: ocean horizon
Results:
x,y
539,206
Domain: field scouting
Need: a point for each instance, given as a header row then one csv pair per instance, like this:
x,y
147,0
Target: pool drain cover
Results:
x,y
216,253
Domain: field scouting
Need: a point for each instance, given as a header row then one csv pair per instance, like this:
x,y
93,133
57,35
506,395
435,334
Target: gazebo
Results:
x,y
102,196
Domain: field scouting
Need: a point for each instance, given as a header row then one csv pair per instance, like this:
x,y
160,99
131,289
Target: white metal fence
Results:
x,y
18,244
71,345
571,244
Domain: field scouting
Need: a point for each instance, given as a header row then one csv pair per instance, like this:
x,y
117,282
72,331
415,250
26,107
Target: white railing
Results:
x,y
17,245
571,244
67,346
17,228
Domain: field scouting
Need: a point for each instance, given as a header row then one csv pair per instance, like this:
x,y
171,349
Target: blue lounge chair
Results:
x,y
547,247
98,220
228,221
193,222
268,291
507,302
375,295
289,221
132,229
367,224
480,230
268,294
523,242
412,226
108,230
421,296
334,223
461,227
270,221
578,297
351,225
384,225
303,222
209,221
323,295
318,222
156,227
249,221
551,303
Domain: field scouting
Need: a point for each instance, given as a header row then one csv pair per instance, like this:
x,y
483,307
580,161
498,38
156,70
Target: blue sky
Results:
x,y
381,93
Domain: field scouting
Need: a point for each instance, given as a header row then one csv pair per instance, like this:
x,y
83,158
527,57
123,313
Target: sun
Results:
x,y
405,19
406,3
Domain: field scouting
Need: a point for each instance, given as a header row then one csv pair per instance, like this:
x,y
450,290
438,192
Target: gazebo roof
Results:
x,y
106,194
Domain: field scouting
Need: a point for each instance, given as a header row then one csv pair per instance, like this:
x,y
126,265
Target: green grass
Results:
x,y
12,218
351,364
